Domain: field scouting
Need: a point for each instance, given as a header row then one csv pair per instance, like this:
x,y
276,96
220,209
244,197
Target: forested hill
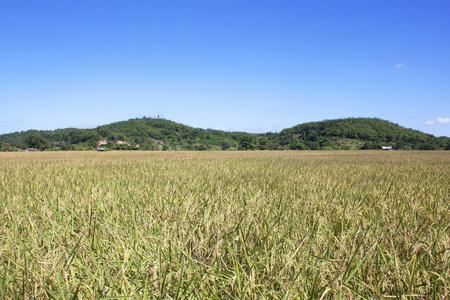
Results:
x,y
358,133
161,134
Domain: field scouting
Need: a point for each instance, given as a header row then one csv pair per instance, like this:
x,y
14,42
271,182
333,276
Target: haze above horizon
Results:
x,y
255,66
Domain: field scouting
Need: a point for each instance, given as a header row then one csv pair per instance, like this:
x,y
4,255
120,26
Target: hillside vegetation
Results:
x,y
161,134
358,133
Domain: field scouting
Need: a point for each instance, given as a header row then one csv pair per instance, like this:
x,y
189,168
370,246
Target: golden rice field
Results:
x,y
225,225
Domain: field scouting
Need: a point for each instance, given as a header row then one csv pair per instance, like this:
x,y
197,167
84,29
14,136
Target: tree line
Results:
x,y
162,134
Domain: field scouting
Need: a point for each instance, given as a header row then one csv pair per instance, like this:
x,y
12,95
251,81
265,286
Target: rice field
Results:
x,y
225,225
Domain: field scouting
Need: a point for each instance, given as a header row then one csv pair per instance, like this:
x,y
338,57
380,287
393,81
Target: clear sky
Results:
x,y
240,65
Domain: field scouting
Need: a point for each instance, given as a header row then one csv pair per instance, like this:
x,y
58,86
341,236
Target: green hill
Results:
x,y
161,134
134,134
358,133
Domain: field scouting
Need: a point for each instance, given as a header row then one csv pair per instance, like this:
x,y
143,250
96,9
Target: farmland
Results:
x,y
225,225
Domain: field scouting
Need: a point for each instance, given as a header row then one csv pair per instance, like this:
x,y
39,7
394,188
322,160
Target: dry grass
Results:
x,y
225,225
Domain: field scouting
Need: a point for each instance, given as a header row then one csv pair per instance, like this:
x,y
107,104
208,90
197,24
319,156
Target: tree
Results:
x,y
225,145
5,147
247,142
263,144
35,140
147,145
200,147
18,143
92,142
298,146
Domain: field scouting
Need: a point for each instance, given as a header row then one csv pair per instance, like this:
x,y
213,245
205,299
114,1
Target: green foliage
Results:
x,y
371,133
37,141
298,146
447,146
148,133
5,147
225,145
201,147
247,142
147,144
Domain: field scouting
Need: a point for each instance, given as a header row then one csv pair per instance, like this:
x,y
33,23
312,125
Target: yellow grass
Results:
x,y
225,225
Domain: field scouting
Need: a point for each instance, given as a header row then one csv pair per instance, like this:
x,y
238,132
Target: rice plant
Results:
x,y
225,225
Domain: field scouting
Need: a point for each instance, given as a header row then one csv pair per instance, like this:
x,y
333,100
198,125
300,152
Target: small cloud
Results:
x,y
398,66
443,121
440,121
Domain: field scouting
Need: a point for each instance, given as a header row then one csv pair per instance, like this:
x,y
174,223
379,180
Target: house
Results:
x,y
31,150
101,149
386,147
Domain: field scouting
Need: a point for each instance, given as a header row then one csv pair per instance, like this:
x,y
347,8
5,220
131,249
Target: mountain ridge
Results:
x,y
161,134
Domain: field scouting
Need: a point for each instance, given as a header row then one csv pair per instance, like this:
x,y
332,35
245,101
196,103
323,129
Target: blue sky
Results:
x,y
253,66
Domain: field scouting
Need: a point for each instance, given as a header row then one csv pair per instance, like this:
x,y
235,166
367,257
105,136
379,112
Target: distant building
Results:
x,y
386,147
101,149
31,150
